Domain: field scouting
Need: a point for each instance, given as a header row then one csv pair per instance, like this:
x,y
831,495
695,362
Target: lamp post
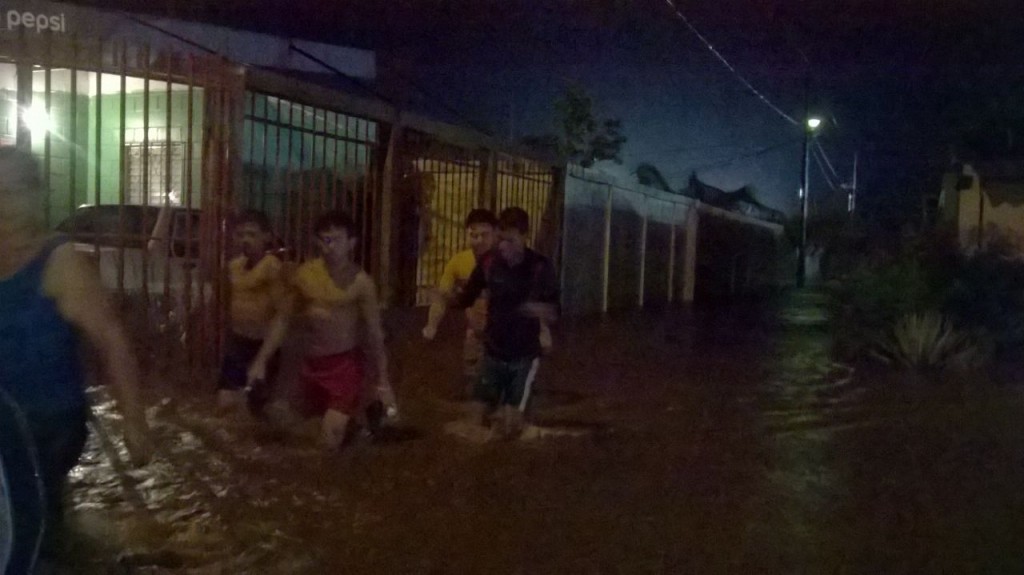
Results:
x,y
801,266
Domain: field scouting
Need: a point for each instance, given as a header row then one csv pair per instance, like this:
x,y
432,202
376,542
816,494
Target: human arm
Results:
x,y
438,305
370,310
543,301
274,339
475,286
73,283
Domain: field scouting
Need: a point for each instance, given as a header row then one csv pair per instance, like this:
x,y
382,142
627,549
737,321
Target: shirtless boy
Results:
x,y
333,297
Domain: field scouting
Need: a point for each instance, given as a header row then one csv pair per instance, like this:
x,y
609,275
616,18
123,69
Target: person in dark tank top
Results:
x,y
50,297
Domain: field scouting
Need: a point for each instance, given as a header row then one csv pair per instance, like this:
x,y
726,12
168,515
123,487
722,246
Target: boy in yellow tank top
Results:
x,y
257,288
333,299
480,225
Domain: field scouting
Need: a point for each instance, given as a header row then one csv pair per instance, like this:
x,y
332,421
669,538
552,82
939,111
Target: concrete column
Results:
x,y
606,268
387,215
643,258
690,257
671,263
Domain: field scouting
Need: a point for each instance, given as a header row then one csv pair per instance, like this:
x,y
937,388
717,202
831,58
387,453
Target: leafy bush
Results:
x,y
929,341
928,302
988,294
869,301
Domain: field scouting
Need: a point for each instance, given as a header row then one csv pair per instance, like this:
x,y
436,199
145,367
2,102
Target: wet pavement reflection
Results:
x,y
726,442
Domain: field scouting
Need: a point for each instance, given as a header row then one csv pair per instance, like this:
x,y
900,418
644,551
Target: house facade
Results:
x,y
983,200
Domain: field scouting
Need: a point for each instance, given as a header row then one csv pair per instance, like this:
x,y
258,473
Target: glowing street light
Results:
x,y
37,120
801,270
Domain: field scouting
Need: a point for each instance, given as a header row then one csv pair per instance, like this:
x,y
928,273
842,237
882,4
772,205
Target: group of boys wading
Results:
x,y
51,298
509,293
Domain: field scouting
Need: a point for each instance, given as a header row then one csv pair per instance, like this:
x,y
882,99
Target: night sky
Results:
x,y
896,80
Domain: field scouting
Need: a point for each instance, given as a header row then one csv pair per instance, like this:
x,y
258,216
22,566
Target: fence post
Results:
x,y
643,255
671,262
606,268
690,257
387,215
488,193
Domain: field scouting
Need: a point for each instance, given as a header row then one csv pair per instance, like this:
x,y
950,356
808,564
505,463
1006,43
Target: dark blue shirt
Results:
x,y
511,335
39,363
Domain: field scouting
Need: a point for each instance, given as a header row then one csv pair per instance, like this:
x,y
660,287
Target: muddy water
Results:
x,y
726,442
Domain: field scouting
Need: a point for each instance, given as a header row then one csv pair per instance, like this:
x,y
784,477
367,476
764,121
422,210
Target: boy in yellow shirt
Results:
x,y
257,288
480,225
334,298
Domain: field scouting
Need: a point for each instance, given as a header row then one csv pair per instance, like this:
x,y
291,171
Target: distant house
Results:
x,y
983,200
739,201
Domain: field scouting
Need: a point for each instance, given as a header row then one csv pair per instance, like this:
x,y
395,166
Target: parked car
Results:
x,y
155,246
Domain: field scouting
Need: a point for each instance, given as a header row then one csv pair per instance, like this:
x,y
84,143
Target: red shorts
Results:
x,y
334,381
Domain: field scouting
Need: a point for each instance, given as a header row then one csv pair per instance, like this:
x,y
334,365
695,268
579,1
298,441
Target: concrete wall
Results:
x,y
618,244
626,246
1005,219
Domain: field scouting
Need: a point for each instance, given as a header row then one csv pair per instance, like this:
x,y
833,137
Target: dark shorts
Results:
x,y
234,372
36,465
334,381
506,382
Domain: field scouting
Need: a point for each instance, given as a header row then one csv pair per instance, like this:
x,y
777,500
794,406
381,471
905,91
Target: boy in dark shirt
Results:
x,y
523,293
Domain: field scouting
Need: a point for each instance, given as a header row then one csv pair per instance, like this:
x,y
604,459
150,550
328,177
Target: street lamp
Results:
x,y
801,269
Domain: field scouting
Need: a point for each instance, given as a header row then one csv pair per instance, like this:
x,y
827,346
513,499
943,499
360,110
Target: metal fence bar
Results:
x,y
187,319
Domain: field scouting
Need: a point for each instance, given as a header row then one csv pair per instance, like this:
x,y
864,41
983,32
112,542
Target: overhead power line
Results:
x,y
821,166
746,83
828,163
759,152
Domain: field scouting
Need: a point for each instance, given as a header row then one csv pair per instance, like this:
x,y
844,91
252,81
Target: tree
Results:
x,y
581,137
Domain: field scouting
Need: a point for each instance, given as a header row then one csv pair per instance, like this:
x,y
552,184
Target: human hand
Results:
x,y
138,441
429,333
257,372
546,343
543,311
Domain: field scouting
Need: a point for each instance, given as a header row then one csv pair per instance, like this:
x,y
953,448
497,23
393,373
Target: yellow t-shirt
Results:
x,y
314,284
457,270
255,292
456,274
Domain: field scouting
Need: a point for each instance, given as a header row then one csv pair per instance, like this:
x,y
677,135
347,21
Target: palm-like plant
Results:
x,y
929,341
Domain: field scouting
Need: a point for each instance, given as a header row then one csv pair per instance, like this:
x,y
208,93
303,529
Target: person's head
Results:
x,y
480,224
21,191
336,235
252,233
513,225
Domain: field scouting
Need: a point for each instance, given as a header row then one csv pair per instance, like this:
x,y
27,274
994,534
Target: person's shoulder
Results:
x,y
363,279
269,264
66,269
536,258
309,272
463,255
309,267
237,264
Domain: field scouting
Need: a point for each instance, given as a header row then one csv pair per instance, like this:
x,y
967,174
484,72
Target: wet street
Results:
x,y
723,443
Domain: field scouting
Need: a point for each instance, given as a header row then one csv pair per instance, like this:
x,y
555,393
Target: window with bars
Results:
x,y
147,176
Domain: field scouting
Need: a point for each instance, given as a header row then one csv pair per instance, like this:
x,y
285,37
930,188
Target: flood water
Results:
x,y
728,442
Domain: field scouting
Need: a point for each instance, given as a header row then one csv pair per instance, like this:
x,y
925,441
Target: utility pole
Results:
x,y
851,201
801,264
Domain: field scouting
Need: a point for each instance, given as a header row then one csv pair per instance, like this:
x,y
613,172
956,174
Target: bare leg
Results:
x,y
334,426
513,422
478,413
228,399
